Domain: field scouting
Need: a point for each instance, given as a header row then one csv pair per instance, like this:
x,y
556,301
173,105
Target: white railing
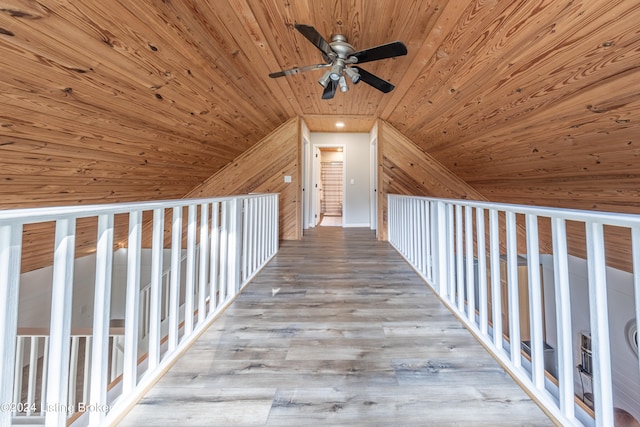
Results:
x,y
228,240
463,249
32,361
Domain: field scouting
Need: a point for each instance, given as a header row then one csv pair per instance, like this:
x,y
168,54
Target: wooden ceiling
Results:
x,y
528,100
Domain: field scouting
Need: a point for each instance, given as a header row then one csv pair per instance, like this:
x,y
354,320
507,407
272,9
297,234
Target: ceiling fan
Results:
x,y
341,59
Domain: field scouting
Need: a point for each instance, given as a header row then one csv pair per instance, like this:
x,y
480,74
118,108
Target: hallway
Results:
x,y
336,330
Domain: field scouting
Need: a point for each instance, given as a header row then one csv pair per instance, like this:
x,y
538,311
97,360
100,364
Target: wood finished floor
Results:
x,y
353,337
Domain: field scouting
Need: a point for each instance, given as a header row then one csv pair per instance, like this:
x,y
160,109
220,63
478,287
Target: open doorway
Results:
x,y
331,188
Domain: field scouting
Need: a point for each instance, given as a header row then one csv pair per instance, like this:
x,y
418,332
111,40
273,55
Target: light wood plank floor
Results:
x,y
352,337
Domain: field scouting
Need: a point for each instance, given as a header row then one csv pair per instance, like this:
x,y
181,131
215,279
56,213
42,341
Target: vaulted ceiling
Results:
x,y
134,100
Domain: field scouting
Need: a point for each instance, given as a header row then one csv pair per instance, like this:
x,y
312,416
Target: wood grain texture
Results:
x,y
327,123
407,170
532,102
352,337
262,170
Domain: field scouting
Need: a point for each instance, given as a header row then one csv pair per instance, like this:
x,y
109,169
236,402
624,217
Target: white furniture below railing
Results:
x,y
455,245
228,240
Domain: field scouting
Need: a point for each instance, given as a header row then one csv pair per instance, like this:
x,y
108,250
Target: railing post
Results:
x,y
132,304
101,317
10,254
598,313
60,327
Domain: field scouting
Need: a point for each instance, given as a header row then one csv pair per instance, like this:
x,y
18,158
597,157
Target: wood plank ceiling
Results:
x,y
533,101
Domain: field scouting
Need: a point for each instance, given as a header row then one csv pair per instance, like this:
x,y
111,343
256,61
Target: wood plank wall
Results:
x,y
262,169
405,169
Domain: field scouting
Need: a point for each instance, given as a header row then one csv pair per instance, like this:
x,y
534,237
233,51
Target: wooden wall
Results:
x,y
403,168
262,170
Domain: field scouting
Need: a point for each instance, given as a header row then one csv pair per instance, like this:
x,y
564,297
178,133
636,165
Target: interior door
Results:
x,y
317,185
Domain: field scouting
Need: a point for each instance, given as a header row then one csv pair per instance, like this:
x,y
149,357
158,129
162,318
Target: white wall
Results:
x,y
625,372
357,174
35,290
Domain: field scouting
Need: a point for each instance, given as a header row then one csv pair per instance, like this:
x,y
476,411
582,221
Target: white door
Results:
x,y
317,185
374,185
306,185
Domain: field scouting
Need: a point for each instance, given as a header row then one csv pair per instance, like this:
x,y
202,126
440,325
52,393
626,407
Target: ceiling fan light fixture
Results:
x,y
343,84
336,69
324,80
353,74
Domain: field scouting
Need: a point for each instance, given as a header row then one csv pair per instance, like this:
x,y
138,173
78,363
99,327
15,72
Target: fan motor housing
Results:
x,y
341,47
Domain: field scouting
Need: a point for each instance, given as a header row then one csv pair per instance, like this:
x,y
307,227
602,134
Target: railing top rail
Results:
x,y
53,213
601,217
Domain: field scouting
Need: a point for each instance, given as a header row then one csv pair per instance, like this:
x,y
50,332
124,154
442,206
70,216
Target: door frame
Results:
x,y
317,184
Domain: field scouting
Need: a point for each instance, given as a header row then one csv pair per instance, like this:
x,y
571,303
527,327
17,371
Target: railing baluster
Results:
x,y
481,280
512,289
635,239
17,379
460,282
598,313
215,255
61,304
10,254
174,290
44,376
496,297
101,316
451,257
245,240
535,302
427,245
155,288
33,375
468,233
73,372
224,239
204,262
192,226
86,375
235,245
132,302
563,317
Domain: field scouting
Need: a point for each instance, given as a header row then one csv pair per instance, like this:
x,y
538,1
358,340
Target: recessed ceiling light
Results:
x,y
339,125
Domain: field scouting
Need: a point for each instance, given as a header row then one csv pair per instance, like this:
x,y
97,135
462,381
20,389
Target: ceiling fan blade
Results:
x,y
375,81
314,37
330,90
297,70
384,51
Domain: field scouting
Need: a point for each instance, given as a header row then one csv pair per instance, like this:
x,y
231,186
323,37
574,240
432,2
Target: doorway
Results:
x,y
331,186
